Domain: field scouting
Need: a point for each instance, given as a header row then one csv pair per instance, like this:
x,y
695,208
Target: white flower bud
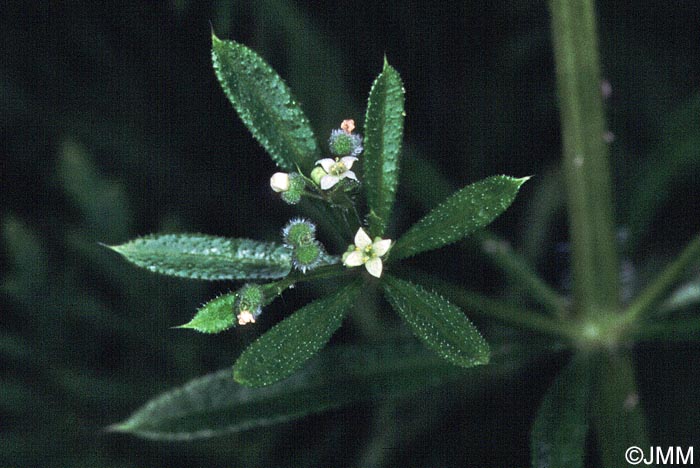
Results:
x,y
279,182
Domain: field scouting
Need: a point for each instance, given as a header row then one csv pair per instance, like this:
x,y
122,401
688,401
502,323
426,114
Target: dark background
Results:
x,y
112,125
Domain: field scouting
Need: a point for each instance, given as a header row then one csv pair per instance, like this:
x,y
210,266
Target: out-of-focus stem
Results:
x,y
585,158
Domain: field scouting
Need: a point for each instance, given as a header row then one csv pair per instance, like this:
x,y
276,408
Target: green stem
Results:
x,y
278,287
585,158
656,291
617,416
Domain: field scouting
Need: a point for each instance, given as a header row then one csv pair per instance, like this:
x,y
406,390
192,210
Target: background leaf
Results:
x,y
558,436
617,414
668,330
442,326
465,211
215,404
684,296
200,256
382,145
673,163
293,341
265,104
103,203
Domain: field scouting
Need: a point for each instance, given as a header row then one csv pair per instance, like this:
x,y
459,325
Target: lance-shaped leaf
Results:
x,y
265,104
215,404
200,256
215,316
382,145
617,415
441,325
289,344
465,211
558,437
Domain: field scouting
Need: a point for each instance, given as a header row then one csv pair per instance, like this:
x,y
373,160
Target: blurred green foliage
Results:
x,y
111,128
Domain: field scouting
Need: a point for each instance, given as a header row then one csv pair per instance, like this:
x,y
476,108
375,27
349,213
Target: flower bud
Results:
x,y
342,143
316,174
279,182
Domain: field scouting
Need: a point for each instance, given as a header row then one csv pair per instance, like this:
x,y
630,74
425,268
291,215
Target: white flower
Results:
x,y
245,317
279,182
336,170
367,253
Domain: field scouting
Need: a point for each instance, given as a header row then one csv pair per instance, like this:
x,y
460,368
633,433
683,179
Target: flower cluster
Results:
x,y
344,145
299,235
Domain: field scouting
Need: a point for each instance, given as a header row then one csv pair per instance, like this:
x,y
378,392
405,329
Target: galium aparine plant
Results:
x,y
353,180
355,177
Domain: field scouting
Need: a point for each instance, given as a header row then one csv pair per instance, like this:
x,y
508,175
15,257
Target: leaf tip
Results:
x,y
522,180
387,68
121,427
115,248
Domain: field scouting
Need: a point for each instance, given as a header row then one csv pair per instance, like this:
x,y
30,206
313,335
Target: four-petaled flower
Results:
x,y
336,170
367,253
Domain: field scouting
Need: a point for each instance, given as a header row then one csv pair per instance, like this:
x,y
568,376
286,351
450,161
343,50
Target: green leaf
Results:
x,y
558,437
27,259
382,145
215,316
265,104
617,414
103,203
684,296
667,331
675,161
200,256
465,211
647,301
215,404
442,326
284,348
